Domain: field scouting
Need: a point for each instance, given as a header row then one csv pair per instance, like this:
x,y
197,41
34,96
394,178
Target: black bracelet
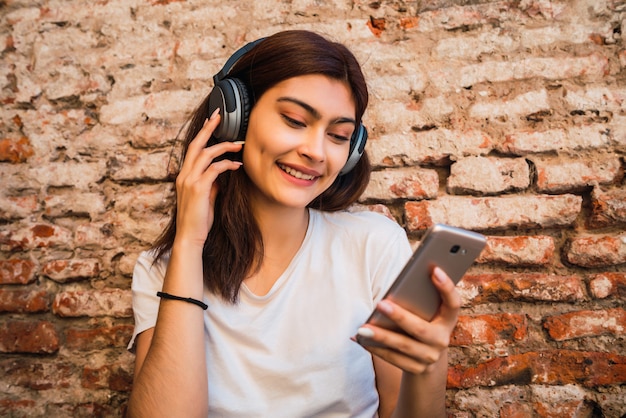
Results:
x,y
203,305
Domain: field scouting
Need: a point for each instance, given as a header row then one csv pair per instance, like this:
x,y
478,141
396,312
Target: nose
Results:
x,y
313,147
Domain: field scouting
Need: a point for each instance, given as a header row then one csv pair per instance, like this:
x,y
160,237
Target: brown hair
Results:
x,y
229,256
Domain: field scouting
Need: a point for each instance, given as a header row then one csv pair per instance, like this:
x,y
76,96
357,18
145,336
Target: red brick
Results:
x,y
93,303
17,271
111,376
608,208
608,284
35,374
586,324
555,367
15,150
572,408
24,301
518,250
491,329
488,175
98,338
597,250
18,407
516,410
71,270
531,287
28,337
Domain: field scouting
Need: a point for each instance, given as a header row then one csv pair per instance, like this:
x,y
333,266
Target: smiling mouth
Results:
x,y
295,173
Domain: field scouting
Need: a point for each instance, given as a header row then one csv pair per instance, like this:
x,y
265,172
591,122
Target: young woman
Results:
x,y
288,275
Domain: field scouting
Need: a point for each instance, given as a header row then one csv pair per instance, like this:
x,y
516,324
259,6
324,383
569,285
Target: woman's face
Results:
x,y
298,139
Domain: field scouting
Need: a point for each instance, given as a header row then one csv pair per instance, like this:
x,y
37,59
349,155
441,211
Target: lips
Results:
x,y
295,173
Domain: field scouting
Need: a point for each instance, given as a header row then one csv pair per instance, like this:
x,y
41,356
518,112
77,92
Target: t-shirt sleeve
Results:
x,y
147,281
393,253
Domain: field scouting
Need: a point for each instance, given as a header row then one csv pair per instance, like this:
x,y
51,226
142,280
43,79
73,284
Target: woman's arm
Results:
x,y
170,366
171,371
421,354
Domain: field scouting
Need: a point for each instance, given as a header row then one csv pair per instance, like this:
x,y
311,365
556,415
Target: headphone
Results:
x,y
231,96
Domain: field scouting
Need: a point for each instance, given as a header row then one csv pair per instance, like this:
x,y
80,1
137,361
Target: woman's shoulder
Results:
x,y
359,221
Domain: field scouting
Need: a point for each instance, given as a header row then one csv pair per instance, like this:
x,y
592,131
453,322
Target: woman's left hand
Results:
x,y
424,342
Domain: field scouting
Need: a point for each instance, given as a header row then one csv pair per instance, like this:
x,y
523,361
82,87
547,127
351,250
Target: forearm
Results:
x,y
172,379
424,395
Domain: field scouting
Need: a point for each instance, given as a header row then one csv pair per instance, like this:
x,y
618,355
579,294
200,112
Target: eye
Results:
x,y
292,122
339,137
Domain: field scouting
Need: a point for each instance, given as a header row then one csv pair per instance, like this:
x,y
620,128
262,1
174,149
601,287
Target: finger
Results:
x,y
431,333
205,160
203,136
450,298
416,360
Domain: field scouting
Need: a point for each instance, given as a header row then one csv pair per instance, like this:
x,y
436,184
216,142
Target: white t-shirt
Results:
x,y
289,353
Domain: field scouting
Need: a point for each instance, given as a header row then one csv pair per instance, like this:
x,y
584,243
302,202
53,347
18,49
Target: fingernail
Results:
x,y
365,332
215,113
385,307
439,275
239,142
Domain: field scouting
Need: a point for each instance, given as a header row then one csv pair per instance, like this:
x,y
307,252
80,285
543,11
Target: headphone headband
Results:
x,y
233,60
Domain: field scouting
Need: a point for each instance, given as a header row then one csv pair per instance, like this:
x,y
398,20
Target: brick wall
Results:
x,y
504,117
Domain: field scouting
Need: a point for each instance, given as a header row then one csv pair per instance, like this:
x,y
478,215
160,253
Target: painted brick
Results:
x,y
404,183
427,147
90,204
76,175
596,98
93,303
608,207
24,301
488,175
95,235
518,250
580,324
578,138
605,285
16,271
597,251
162,105
32,236
554,367
152,166
64,271
493,329
489,402
144,199
18,336
493,212
18,207
484,288
558,175
519,106
594,66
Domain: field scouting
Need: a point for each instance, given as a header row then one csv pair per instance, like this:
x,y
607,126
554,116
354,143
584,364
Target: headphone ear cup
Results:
x,y
357,147
231,97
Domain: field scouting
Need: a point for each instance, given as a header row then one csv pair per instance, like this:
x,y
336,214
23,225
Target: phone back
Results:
x,y
450,248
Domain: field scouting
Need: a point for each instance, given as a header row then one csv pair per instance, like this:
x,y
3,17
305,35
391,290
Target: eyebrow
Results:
x,y
314,112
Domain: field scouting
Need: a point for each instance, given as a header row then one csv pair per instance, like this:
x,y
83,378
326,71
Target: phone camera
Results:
x,y
455,249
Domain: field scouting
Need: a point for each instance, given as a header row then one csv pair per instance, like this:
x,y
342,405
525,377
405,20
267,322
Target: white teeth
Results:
x,y
295,173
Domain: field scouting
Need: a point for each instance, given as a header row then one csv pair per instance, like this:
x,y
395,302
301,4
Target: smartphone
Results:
x,y
449,248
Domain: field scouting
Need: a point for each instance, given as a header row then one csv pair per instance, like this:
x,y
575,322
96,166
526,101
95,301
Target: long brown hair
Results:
x,y
229,255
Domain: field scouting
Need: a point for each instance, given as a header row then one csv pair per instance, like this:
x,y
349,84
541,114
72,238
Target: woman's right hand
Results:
x,y
196,189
